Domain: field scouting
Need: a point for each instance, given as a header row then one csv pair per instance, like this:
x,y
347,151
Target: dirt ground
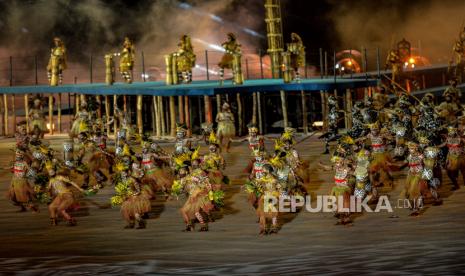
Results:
x,y
308,243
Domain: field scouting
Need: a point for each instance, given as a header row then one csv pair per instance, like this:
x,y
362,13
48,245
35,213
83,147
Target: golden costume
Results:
x,y
126,61
185,58
57,62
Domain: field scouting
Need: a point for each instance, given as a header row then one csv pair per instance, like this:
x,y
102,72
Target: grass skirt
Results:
x,y
196,202
159,179
226,129
261,212
136,204
20,191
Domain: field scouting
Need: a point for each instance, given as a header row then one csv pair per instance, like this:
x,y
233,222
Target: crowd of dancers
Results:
x,y
139,170
386,135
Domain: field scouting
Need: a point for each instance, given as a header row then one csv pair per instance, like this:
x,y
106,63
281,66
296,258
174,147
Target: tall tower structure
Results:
x,y
274,29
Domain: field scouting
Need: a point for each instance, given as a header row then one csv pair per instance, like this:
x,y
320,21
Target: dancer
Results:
x,y
231,48
62,197
226,129
20,192
57,61
126,61
134,203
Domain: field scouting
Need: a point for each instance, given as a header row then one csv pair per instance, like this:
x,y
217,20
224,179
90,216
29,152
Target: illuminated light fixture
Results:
x,y
349,63
317,124
411,60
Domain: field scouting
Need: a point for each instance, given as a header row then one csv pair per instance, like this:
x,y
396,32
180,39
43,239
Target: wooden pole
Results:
x,y
5,114
13,110
208,109
172,116
239,115
324,108
181,109
259,108
162,115
59,113
107,113
1,117
98,99
187,114
115,122
26,111
304,112
77,98
348,108
50,113
157,117
125,104
139,114
218,103
284,107
254,108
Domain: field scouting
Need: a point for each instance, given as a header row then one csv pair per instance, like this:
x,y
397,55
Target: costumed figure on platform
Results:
x,y
297,51
126,61
459,51
57,60
394,63
226,129
185,59
231,49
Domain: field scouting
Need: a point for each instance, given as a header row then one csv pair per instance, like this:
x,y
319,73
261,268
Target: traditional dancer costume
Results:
x,y
226,129
20,192
63,197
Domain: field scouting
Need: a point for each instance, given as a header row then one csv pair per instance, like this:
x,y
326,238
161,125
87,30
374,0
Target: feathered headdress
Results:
x,y
212,138
195,154
182,160
278,144
120,166
277,161
347,140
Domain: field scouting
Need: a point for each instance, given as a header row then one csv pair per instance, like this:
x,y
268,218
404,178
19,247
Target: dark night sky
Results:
x,y
27,26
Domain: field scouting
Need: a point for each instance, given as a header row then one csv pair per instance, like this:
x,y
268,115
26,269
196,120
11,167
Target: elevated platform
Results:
x,y
195,88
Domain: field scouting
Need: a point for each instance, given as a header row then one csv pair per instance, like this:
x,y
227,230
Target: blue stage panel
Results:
x,y
196,88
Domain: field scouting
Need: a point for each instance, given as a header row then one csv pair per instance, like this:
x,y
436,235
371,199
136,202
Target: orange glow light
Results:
x,y
411,60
